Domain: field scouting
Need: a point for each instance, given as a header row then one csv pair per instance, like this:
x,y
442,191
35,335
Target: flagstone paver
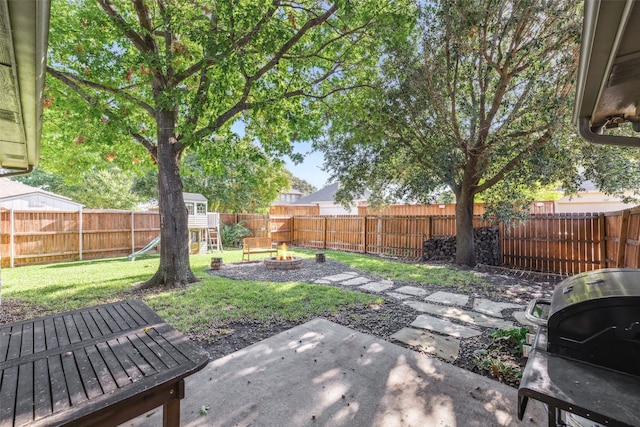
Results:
x,y
376,286
355,281
340,277
412,290
444,327
448,298
399,296
322,282
493,308
447,348
463,315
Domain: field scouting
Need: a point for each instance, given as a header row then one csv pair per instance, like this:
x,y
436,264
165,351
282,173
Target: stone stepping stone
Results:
x,y
466,316
339,277
376,286
412,290
493,308
355,281
444,327
322,282
448,298
447,348
399,296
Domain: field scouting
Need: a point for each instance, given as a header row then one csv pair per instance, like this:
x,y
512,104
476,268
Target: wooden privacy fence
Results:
x,y
37,237
400,236
564,244
558,243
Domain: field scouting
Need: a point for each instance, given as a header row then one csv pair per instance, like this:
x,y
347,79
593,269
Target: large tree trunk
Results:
x,y
465,248
174,270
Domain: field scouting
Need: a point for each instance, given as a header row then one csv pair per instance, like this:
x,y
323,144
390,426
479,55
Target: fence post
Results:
x,y
624,232
292,226
365,234
133,230
602,224
11,242
80,233
325,233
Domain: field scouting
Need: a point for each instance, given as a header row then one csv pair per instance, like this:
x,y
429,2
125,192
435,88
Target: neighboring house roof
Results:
x,y
13,189
326,194
193,197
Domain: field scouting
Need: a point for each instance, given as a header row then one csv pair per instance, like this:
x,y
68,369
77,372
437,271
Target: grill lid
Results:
x,y
595,285
595,317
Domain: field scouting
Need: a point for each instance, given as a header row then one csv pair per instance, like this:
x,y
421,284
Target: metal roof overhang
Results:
x,y
608,89
24,31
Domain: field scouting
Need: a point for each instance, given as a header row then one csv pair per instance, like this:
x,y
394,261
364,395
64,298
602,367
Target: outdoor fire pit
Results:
x,y
282,260
283,263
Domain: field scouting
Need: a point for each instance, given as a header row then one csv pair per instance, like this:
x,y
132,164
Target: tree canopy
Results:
x,y
144,82
480,102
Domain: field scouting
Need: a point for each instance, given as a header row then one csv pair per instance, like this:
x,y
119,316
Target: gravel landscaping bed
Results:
x,y
383,320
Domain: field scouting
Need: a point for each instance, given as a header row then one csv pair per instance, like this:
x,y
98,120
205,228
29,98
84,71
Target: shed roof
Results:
x,y
194,197
13,189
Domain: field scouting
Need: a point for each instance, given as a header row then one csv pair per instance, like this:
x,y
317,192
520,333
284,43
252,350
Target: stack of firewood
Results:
x,y
487,245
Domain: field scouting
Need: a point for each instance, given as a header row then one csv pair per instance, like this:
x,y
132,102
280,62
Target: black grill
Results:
x,y
595,317
589,329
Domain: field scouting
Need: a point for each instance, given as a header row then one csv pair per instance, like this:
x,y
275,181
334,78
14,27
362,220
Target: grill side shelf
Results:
x,y
601,395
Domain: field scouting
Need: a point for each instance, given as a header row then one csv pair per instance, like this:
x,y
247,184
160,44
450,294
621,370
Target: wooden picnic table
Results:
x,y
99,366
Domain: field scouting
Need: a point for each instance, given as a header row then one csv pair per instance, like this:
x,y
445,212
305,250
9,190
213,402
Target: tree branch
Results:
x,y
138,41
513,163
67,77
242,103
73,85
237,45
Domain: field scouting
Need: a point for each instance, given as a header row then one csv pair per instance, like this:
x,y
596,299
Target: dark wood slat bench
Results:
x,y
99,366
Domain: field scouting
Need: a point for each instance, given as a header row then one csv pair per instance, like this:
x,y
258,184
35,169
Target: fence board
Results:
x,y
294,210
558,243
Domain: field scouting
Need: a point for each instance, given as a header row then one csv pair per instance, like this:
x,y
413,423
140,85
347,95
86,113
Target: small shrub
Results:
x,y
232,234
498,359
510,340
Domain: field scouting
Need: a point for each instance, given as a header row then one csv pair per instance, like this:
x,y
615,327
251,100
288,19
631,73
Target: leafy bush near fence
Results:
x,y
232,234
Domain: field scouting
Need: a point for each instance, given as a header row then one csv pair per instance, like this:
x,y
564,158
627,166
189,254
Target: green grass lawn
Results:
x,y
214,301
209,303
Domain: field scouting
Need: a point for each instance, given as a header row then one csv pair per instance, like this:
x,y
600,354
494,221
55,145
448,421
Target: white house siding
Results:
x,y
330,208
590,202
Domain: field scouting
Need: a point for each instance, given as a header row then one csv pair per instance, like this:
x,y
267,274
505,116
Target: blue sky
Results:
x,y
310,169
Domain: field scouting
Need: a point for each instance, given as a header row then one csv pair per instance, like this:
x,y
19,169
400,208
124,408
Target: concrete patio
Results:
x,y
324,374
